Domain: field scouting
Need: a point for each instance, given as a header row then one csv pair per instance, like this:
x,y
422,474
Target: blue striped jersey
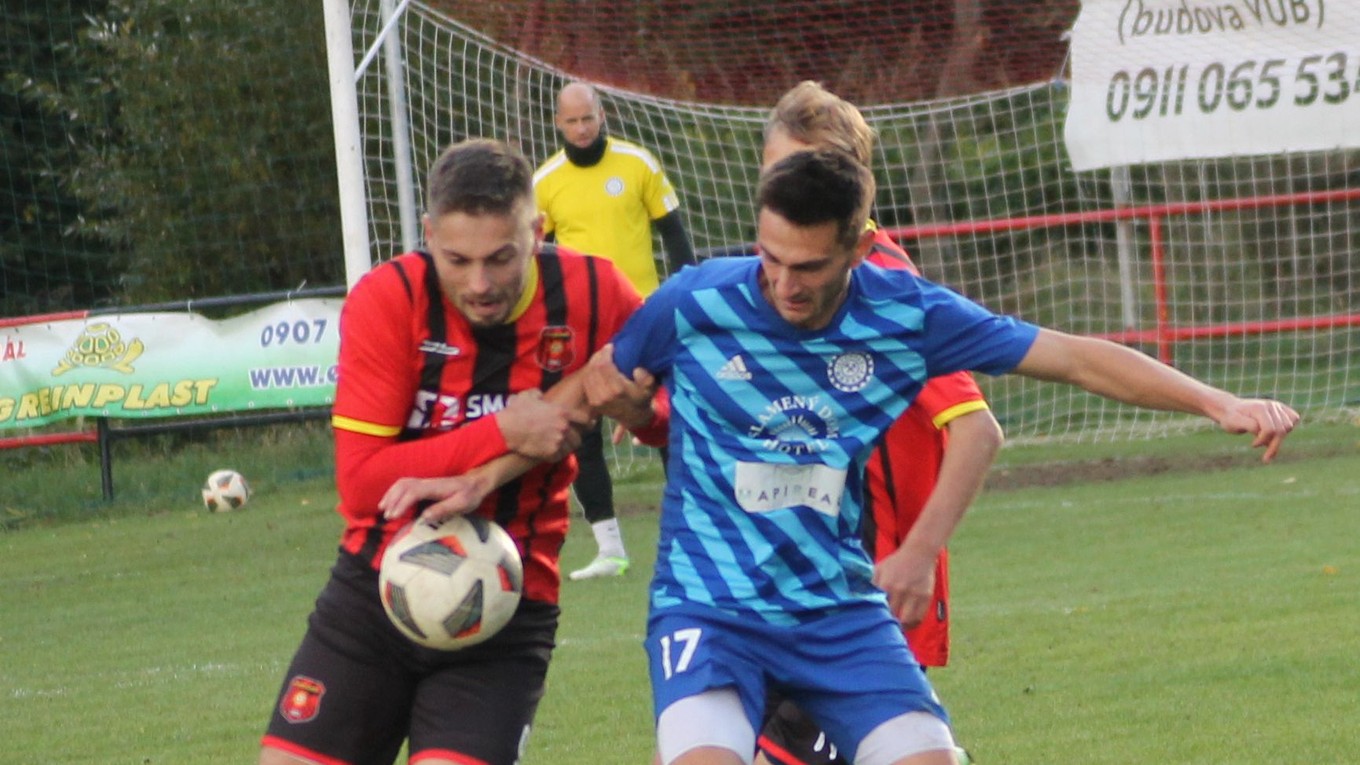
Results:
x,y
771,425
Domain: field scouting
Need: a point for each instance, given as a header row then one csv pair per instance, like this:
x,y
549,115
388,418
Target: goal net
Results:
x,y
1221,267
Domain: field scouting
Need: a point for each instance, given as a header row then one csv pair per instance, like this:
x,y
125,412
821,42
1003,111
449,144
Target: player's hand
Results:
x,y
1268,421
908,578
539,429
454,495
613,395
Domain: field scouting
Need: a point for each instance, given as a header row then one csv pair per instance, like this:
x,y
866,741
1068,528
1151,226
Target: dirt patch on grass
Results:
x,y
1121,468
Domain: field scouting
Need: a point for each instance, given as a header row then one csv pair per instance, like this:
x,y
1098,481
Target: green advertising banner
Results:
x,y
143,365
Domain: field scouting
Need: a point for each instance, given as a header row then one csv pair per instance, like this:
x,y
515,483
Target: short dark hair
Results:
x,y
479,176
808,188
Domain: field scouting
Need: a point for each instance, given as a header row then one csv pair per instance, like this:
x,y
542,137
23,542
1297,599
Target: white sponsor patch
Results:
x,y
762,487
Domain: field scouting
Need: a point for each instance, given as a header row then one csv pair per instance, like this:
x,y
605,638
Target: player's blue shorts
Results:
x,y
850,670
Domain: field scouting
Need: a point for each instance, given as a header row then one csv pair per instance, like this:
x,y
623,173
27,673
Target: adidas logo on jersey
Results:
x,y
734,369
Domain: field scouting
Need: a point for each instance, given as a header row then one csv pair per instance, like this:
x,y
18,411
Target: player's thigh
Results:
x,y
481,703
709,728
336,705
854,673
708,689
692,652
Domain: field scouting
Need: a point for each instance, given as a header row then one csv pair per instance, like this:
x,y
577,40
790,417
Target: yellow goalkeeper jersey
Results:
x,y
607,209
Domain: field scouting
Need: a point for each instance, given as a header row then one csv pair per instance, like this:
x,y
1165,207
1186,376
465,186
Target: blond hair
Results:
x,y
813,115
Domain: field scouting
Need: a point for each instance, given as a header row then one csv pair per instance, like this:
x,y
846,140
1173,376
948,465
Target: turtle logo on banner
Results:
x,y
100,345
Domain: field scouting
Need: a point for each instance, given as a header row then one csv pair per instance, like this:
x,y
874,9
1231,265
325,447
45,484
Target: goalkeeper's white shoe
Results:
x,y
601,567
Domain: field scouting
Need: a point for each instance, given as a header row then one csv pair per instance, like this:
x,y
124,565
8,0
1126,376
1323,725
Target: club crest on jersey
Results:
x,y
850,371
302,701
556,348
614,186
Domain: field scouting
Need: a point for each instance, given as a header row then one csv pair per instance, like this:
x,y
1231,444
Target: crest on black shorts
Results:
x,y
302,701
556,348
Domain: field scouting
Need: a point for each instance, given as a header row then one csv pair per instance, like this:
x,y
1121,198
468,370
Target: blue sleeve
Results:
x,y
962,335
648,338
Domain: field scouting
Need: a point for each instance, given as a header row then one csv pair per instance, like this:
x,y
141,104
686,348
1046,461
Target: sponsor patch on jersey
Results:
x,y
614,186
850,371
302,701
762,487
432,410
556,348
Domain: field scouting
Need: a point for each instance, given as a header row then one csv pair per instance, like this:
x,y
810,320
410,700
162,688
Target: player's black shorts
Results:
x,y
357,688
790,737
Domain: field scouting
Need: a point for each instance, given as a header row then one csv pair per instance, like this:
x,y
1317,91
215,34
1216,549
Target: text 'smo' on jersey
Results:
x,y
607,209
771,424
412,367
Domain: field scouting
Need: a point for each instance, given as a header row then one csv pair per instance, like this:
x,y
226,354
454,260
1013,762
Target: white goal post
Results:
x,y
1241,271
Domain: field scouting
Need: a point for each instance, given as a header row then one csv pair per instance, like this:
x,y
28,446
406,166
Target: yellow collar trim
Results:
x,y
526,298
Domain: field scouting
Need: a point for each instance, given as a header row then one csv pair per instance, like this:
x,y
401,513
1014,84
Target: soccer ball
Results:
x,y
225,490
452,584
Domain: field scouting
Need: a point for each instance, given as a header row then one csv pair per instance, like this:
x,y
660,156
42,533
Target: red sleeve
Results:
x,y
657,432
366,466
620,299
377,374
944,398
378,379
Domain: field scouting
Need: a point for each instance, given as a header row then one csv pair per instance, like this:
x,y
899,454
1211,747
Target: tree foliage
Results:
x,y
167,150
219,178
48,260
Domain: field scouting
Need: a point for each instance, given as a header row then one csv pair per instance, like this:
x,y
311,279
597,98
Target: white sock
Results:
x,y
609,538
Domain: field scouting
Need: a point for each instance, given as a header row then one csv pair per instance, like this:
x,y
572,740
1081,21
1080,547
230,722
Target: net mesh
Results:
x,y
968,99
162,150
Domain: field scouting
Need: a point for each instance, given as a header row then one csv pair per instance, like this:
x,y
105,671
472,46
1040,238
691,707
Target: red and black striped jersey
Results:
x,y
418,387
902,472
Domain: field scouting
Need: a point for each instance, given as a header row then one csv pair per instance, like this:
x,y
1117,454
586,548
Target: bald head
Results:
x,y
580,115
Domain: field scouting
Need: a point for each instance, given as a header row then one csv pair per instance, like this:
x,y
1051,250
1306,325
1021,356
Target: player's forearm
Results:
x,y
974,440
365,466
502,470
1121,374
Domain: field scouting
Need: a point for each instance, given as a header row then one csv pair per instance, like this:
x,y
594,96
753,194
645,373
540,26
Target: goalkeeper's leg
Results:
x,y
595,490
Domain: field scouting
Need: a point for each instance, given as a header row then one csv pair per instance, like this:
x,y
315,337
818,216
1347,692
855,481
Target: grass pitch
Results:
x,y
1203,615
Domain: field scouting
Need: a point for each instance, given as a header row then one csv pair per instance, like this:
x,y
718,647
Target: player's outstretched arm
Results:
x,y
1123,374
907,575
456,495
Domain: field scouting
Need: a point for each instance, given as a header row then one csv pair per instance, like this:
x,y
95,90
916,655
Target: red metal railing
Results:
x,y
1163,335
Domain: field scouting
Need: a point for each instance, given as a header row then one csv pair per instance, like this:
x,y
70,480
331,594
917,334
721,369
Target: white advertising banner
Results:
x,y
140,365
1159,80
